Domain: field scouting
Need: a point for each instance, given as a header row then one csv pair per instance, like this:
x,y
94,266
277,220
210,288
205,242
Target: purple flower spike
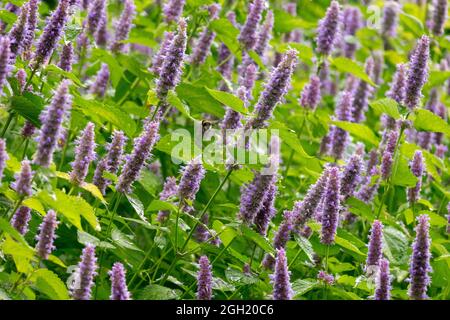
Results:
x,y
20,219
66,60
390,19
264,35
84,154
5,54
115,151
87,270
248,36
46,235
284,230
267,211
98,179
101,82
193,175
52,118
18,32
388,155
30,28
338,136
173,10
362,94
325,277
204,279
352,22
351,176
123,26
21,79
274,90
374,254
420,260
158,59
102,34
143,146
417,168
311,94
331,206
328,29
439,17
22,185
383,282
3,158
282,289
170,189
95,15
119,290
417,73
397,88
52,33
172,66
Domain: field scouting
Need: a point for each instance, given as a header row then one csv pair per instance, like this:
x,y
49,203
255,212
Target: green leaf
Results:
x,y
412,24
255,57
66,74
229,100
85,238
396,245
349,66
21,253
7,16
123,240
402,175
28,106
435,219
284,22
199,99
238,277
49,284
137,205
92,188
226,233
358,130
387,106
428,121
252,235
227,33
306,246
348,245
157,205
302,286
437,78
157,292
6,227
174,101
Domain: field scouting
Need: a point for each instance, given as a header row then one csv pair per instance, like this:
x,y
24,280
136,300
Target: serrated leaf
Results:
x,y
228,99
137,205
302,286
49,284
344,243
387,106
66,74
227,33
358,130
28,106
257,238
157,292
123,240
157,205
92,188
306,246
349,66
426,120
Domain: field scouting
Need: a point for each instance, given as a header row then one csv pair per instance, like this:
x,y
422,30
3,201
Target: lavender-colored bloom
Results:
x,y
158,59
362,94
32,18
282,289
264,35
247,78
282,236
18,32
390,19
368,190
420,260
351,22
172,66
28,129
98,179
193,175
441,150
374,253
101,82
66,60
141,152
267,211
20,219
338,136
119,290
439,17
123,26
331,206
22,185
225,62
417,168
378,65
311,95
248,36
274,90
388,155
5,54
84,154
351,176
383,281
305,209
87,270
52,118
201,233
21,79
102,34
173,10
52,33
202,49
398,86
94,15
328,29
417,73
441,110
115,151
46,235
3,158
204,279
170,189
325,277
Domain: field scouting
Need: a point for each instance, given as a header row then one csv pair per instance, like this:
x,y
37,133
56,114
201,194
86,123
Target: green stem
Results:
x,y
132,87
326,271
8,122
27,142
